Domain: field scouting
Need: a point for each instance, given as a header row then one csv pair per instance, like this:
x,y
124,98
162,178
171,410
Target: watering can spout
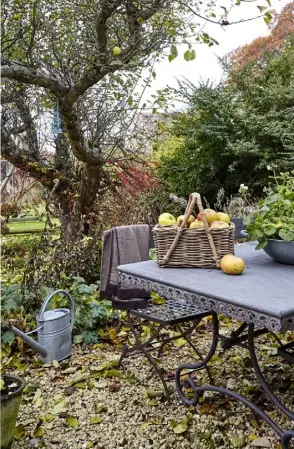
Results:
x,y
30,341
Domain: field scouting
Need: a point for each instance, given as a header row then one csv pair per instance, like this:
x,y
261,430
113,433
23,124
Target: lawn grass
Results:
x,y
29,226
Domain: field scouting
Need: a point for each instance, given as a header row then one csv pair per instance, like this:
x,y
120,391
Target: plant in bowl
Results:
x,y
11,388
273,223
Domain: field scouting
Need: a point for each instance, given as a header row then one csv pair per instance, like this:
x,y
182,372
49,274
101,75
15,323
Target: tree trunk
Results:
x,y
77,208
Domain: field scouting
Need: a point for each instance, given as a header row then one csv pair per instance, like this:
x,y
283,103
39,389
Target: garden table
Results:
x,y
262,299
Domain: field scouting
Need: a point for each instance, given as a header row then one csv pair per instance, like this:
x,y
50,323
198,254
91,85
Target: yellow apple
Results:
x,y
167,219
116,51
180,220
210,215
232,265
221,216
197,224
219,225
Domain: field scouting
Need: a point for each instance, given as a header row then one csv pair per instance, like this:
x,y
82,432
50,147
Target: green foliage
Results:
x,y
275,216
22,304
90,312
231,133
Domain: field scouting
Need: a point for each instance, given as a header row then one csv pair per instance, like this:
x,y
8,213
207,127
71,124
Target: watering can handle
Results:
x,y
48,299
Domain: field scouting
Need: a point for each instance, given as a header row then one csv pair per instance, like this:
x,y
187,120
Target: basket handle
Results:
x,y
193,199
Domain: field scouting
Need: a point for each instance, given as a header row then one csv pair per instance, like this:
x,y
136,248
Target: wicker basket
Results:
x,y
192,248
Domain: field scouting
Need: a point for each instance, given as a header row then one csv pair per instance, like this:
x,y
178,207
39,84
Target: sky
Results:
x,y
206,65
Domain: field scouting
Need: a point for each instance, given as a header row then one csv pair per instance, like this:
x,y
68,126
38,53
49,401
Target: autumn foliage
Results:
x,y
282,29
135,180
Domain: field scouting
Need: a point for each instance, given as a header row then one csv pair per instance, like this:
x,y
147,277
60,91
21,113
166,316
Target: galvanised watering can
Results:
x,y
54,329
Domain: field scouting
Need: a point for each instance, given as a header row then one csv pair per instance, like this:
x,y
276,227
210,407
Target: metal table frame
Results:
x,y
253,324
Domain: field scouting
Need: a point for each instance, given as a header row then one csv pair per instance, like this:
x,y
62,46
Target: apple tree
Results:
x,y
87,62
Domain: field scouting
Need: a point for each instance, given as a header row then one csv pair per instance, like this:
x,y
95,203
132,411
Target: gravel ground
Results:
x,y
85,402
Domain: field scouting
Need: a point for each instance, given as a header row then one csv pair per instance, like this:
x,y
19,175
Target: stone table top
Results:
x,y
263,294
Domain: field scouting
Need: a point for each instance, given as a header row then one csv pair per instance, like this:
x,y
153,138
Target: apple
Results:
x,y
167,219
219,225
116,51
232,265
197,224
180,220
221,216
210,215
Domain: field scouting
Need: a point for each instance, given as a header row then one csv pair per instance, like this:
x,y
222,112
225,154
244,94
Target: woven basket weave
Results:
x,y
192,248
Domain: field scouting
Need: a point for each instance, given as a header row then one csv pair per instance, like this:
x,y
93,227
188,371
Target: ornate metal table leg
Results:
x,y
149,357
260,377
186,337
197,366
286,436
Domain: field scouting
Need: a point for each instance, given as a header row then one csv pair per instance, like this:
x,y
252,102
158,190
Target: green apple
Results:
x,y
232,265
223,217
210,215
116,51
181,218
219,225
197,224
167,220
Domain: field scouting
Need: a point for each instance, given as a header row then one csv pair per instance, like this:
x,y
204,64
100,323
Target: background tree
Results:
x,y
232,133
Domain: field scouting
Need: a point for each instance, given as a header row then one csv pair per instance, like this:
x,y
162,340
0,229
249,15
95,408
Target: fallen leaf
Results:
x,y
81,385
179,342
68,391
46,418
114,387
77,379
59,408
19,432
112,373
100,407
173,423
57,379
152,403
261,442
237,442
95,420
37,395
71,422
100,385
151,394
206,409
28,422
180,428
252,437
39,431
112,333
156,420
70,370
55,364
89,444
131,378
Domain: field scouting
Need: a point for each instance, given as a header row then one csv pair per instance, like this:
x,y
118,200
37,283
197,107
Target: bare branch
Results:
x,y
24,75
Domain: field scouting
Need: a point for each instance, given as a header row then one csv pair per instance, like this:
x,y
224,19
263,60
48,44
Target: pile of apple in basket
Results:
x,y
203,242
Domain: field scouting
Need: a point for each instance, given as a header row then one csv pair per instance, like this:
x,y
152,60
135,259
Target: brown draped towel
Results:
x,y
123,245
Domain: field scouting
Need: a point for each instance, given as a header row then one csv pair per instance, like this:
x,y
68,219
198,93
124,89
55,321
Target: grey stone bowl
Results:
x,y
279,250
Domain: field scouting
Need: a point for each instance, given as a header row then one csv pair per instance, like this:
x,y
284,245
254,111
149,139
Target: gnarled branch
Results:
x,y
24,75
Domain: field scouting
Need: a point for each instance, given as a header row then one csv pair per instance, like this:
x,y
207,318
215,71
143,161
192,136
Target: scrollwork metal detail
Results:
x,y
260,320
